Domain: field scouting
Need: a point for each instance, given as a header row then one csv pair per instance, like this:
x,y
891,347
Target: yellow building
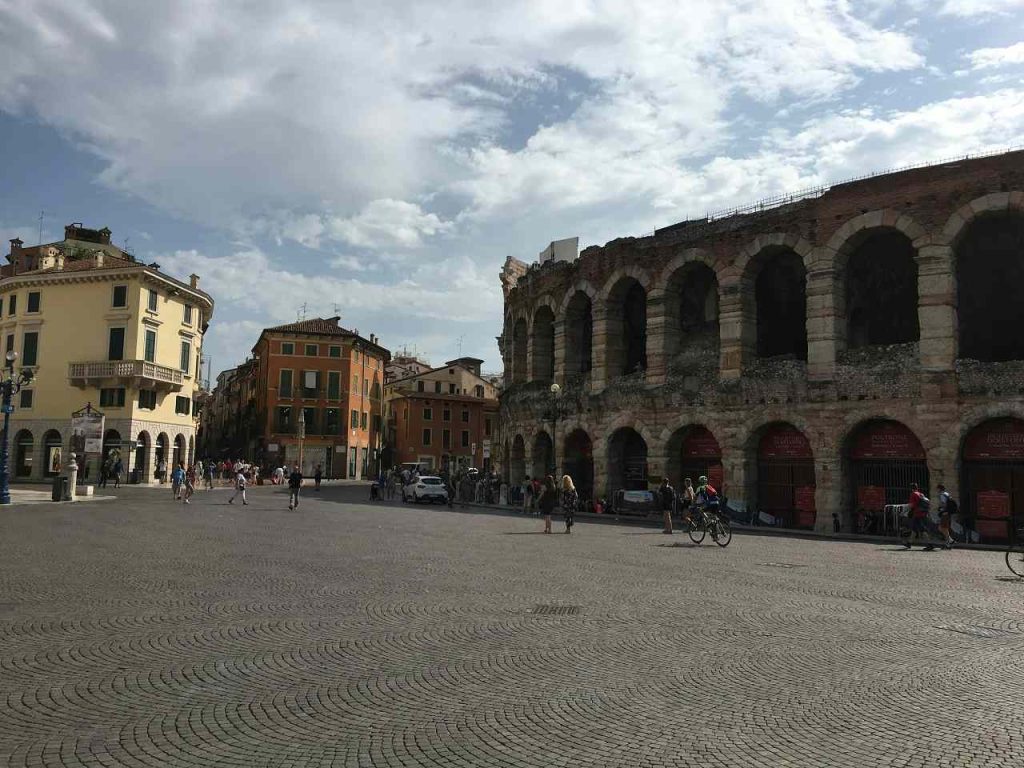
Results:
x,y
97,327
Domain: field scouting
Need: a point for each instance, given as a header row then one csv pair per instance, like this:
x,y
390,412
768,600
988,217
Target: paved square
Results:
x,y
144,633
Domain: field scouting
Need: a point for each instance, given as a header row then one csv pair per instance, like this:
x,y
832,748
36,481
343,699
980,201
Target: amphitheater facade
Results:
x,y
813,358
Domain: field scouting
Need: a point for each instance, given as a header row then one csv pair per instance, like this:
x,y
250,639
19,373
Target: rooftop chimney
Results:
x,y
16,243
334,319
193,280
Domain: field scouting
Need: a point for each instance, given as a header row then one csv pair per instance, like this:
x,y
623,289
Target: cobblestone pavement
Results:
x,y
144,633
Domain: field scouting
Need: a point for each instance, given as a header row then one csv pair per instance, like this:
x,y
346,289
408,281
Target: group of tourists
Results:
x,y
541,497
932,526
704,496
111,469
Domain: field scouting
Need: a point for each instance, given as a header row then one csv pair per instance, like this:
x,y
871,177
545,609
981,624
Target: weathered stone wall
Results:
x,y
723,385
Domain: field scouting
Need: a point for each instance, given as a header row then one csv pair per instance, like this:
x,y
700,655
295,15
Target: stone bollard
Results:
x,y
72,492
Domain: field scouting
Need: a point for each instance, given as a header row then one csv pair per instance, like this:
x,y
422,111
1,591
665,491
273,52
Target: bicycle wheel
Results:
x,y
1015,561
723,533
697,532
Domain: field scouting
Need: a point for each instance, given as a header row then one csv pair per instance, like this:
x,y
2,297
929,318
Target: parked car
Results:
x,y
427,488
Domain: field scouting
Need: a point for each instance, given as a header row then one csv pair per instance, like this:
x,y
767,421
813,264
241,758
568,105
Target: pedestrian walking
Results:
x,y
947,508
667,495
528,496
209,469
546,502
294,484
190,484
569,501
177,480
104,472
920,527
240,484
118,469
318,475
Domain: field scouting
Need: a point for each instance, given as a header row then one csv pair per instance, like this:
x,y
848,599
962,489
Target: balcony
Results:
x,y
128,373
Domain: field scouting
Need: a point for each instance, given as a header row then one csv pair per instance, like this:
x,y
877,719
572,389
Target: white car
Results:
x,y
426,488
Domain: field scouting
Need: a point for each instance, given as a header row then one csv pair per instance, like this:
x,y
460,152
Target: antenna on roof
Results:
x,y
460,343
337,308
41,214
301,313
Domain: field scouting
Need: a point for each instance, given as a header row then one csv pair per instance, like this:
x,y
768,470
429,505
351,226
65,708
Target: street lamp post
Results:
x,y
302,433
556,414
10,384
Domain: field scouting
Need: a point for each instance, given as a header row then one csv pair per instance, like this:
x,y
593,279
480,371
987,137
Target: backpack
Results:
x,y
924,505
951,506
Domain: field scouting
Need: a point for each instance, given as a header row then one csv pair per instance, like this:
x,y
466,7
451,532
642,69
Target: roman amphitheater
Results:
x,y
813,357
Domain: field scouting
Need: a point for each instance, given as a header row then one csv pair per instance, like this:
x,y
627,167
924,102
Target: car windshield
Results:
x,y
431,480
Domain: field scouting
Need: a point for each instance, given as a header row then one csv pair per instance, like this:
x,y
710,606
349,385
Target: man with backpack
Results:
x,y
240,484
294,484
668,502
947,508
920,524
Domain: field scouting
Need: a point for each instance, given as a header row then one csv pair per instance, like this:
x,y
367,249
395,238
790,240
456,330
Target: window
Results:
x,y
333,385
487,427
284,388
446,414
181,405
12,304
437,387
479,390
334,351
309,414
446,438
465,438
365,421
332,423
147,399
26,398
284,418
115,344
287,348
366,387
310,383
33,301
451,389
426,437
186,356
29,348
355,385
188,314
419,386
355,419
120,296
428,414
112,397
150,353
355,355
312,350
152,300
465,417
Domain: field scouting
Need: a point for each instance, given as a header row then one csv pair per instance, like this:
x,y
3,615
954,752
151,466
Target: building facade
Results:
x,y
100,329
444,418
814,358
334,378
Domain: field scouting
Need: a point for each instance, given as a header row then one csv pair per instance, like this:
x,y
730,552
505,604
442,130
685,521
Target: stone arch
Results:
x,y
23,449
632,271
578,460
782,476
994,202
692,320
991,475
576,314
543,454
627,457
162,454
837,250
520,350
625,311
749,260
517,459
692,450
542,343
580,286
141,460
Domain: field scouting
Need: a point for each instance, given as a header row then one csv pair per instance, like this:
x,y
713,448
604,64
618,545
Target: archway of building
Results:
x,y
163,457
579,462
693,451
520,344
543,455
627,461
23,446
781,296
627,328
141,463
517,460
989,269
881,289
579,335
544,344
881,459
111,446
691,314
992,478
53,453
785,475
179,450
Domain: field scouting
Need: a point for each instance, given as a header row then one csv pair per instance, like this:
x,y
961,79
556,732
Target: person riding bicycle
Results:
x,y
707,496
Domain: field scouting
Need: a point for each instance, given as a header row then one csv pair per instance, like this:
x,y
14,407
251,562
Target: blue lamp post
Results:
x,y
10,384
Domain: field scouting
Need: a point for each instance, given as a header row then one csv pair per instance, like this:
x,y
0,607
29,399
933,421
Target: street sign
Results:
x,y
8,409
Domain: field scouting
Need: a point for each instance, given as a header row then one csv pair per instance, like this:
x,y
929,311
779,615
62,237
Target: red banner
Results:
x,y
871,497
886,440
992,530
992,504
785,442
701,444
1001,439
803,498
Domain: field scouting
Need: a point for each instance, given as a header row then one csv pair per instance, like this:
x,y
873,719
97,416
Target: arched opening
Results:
x,y
517,459
989,268
691,315
543,455
179,451
579,335
111,446
519,351
53,453
544,345
141,463
161,471
781,296
883,458
881,290
693,452
785,476
23,446
992,482
579,462
627,461
627,328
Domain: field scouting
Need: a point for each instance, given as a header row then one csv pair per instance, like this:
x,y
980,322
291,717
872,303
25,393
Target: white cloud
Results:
x,y
967,8
387,224
991,58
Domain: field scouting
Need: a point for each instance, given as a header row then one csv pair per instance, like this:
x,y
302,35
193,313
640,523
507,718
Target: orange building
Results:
x,y
334,378
443,417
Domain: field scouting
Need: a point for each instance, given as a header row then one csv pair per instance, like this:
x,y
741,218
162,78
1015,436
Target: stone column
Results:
x,y
828,481
560,352
657,465
936,307
824,315
599,448
599,375
657,322
737,330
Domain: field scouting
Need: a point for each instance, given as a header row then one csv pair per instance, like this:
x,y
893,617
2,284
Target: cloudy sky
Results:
x,y
383,158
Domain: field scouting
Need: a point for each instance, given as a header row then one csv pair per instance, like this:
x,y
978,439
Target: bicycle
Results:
x,y
702,521
1015,554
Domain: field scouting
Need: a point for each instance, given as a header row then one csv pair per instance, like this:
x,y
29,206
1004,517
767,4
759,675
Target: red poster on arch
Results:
x,y
993,504
716,477
871,497
803,498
